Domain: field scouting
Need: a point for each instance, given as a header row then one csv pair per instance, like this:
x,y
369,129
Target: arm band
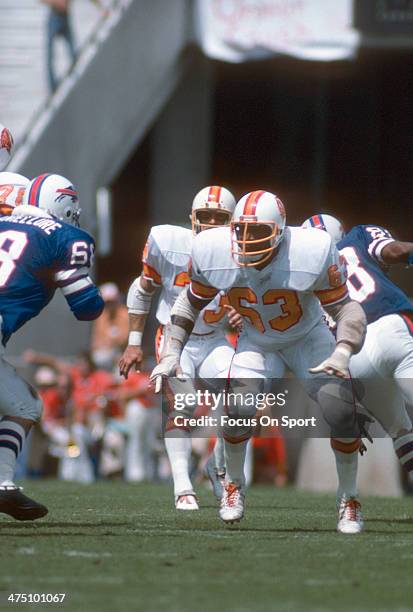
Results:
x,y
351,323
177,332
135,338
138,301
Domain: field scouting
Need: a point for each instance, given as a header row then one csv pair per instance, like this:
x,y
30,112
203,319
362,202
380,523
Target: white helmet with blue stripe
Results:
x,y
329,224
56,195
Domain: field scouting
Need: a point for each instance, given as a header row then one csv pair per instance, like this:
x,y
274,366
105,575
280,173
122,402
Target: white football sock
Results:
x,y
234,461
346,454
12,436
219,455
179,453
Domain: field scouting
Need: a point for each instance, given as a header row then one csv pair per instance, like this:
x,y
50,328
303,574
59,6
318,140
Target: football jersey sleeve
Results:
x,y
152,261
199,287
75,258
375,239
331,287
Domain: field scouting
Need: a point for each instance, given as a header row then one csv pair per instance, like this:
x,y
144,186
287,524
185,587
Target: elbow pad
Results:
x,y
86,305
138,300
351,323
183,308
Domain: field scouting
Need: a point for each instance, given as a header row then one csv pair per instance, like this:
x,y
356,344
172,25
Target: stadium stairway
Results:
x,y
121,80
124,75
24,87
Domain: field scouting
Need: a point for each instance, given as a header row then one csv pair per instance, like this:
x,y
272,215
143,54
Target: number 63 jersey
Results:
x,y
367,281
280,303
38,254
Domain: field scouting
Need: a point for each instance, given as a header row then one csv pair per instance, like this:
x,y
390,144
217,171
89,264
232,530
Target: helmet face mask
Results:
x,y
257,228
207,218
212,207
253,242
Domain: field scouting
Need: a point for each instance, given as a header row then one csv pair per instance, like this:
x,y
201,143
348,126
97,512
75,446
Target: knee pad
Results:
x,y
337,404
236,433
34,407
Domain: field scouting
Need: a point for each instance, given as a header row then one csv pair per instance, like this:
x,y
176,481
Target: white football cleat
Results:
x,y
216,478
232,504
350,518
187,501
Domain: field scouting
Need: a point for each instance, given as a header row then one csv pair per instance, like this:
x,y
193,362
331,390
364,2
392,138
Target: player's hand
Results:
x,y
336,364
234,318
132,356
168,366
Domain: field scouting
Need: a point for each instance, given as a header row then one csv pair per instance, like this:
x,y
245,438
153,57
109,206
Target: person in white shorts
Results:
x,y
208,354
276,277
387,352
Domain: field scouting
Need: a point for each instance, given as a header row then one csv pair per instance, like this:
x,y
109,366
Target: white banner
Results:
x,y
242,30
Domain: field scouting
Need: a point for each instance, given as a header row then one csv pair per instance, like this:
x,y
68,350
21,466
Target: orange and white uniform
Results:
x,y
166,261
281,304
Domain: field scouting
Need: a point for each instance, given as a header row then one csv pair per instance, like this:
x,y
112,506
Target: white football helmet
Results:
x,y
329,224
257,228
6,146
56,195
212,206
12,189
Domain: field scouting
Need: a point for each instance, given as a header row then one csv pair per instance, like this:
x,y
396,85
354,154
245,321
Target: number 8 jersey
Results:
x,y
367,281
39,254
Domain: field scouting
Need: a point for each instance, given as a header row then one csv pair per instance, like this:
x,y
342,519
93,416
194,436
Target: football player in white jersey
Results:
x,y
276,277
12,190
208,354
387,352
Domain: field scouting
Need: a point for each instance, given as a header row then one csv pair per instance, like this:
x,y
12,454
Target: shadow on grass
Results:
x,y
405,521
47,529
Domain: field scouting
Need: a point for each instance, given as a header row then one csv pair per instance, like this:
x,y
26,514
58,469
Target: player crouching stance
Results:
x,y
276,277
208,354
40,252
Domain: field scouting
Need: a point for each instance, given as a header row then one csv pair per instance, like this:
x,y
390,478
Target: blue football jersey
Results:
x,y
367,281
38,255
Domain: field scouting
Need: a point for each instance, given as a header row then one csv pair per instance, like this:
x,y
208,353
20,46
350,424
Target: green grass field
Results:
x,y
113,546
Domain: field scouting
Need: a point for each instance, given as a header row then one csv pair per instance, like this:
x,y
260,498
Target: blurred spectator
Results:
x,y
93,416
270,461
110,331
51,436
58,24
91,406
142,422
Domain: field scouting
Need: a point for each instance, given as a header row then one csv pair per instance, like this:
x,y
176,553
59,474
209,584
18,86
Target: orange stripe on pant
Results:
x,y
345,447
238,439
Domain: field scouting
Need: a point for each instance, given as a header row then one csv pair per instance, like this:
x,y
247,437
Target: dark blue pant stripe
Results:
x,y
12,432
11,445
403,450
